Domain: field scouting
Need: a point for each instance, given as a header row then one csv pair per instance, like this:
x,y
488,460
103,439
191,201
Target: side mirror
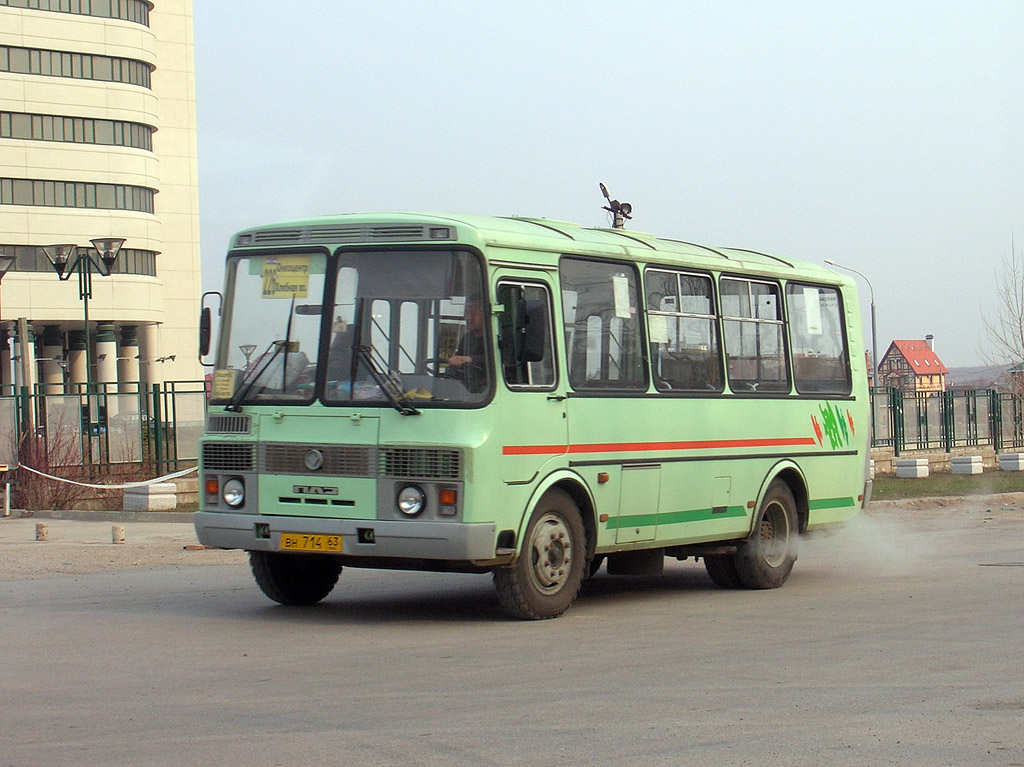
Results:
x,y
523,328
206,326
534,331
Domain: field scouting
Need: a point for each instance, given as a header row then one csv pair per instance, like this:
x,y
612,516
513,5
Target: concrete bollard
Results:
x,y
966,464
42,531
907,468
117,534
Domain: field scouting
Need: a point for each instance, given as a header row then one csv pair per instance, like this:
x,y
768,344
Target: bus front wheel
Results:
x,y
765,560
294,579
546,578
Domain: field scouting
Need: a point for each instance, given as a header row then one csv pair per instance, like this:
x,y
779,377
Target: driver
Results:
x,y
468,361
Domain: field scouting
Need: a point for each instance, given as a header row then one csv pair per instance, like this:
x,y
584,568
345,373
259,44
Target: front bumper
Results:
x,y
403,539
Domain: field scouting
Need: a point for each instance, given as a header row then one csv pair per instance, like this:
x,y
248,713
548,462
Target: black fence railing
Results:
x,y
946,420
159,426
111,425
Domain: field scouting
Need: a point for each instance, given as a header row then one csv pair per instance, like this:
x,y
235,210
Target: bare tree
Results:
x,y
1004,321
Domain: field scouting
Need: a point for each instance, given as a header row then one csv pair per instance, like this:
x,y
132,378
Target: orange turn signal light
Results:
x,y
448,496
212,487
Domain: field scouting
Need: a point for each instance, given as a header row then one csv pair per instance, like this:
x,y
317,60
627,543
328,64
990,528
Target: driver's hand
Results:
x,y
459,360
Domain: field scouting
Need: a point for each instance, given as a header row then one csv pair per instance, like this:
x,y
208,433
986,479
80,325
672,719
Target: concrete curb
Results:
x,y
106,516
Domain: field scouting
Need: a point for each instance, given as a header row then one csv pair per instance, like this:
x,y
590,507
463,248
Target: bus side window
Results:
x,y
754,336
820,365
525,336
602,325
683,331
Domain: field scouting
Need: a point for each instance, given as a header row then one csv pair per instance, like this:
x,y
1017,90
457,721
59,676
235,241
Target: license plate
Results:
x,y
301,542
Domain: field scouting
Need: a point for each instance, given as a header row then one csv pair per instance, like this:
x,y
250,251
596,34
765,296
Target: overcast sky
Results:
x,y
886,136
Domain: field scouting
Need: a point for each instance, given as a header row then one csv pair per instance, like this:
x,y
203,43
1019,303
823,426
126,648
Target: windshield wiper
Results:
x,y
254,375
384,379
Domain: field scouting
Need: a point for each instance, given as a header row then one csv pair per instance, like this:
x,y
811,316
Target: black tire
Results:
x,y
722,569
765,560
294,579
546,578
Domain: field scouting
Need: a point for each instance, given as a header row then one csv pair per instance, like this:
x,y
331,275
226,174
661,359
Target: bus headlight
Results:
x,y
233,492
411,500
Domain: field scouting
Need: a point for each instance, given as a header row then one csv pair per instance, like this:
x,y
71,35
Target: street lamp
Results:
x,y
70,259
6,262
874,335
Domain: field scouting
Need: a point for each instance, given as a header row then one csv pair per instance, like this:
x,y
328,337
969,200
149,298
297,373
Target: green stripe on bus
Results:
x,y
674,517
831,503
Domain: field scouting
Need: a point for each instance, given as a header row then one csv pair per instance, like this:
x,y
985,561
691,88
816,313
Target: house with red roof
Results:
x,y
912,366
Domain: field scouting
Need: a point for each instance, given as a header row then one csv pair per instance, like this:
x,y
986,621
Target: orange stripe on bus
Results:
x,y
636,447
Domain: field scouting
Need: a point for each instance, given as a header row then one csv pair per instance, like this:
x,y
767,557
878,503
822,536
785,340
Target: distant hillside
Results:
x,y
981,377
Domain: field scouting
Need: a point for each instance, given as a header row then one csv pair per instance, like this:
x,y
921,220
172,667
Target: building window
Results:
x,y
127,10
71,194
31,258
81,66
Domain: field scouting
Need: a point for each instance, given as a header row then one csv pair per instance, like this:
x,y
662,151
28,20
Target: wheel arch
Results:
x,y
790,473
573,485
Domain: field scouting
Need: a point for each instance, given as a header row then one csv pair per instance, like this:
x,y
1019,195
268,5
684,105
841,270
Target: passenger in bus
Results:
x,y
467,364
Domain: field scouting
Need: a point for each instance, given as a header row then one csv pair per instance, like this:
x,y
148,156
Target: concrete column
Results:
x,y
147,348
128,359
53,350
25,351
77,359
106,356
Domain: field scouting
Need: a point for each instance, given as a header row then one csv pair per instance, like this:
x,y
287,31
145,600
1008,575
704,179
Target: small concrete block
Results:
x,y
911,468
871,470
158,497
1011,461
966,464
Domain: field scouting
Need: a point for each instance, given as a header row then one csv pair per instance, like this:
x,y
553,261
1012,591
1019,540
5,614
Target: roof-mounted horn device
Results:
x,y
620,210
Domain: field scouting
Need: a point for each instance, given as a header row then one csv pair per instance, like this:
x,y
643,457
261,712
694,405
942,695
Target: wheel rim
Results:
x,y
775,534
550,553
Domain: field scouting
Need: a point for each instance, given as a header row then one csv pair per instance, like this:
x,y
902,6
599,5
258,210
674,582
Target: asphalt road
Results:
x,y
898,641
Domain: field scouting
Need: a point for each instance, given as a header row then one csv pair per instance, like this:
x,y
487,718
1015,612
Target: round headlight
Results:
x,y
411,500
234,492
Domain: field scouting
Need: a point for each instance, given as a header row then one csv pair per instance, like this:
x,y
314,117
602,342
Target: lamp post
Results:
x,y
874,335
6,262
70,259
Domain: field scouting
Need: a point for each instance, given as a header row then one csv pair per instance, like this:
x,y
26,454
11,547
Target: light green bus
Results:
x,y
525,397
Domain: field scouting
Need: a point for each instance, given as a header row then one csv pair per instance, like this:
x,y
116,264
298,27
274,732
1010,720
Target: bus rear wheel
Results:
x,y
546,578
765,560
722,569
294,579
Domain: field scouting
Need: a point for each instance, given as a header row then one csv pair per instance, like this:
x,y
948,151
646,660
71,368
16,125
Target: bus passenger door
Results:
x,y
531,413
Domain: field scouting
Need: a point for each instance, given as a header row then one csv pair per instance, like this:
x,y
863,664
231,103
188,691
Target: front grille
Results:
x,y
228,456
338,460
228,424
420,463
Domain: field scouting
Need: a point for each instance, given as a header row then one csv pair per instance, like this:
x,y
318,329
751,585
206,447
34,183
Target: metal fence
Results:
x,y
160,426
111,425
943,421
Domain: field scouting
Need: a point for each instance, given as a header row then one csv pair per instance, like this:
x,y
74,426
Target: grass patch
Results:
x,y
891,488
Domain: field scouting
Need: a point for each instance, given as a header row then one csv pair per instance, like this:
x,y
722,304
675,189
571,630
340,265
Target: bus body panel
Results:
x,y
655,469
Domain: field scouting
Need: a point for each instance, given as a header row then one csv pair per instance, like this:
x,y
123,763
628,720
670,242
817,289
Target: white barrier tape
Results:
x,y
125,486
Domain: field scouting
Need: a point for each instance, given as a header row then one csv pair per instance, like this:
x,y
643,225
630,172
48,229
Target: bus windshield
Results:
x,y
405,328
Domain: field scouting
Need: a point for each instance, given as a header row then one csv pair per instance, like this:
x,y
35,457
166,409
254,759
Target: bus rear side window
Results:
x,y
820,365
